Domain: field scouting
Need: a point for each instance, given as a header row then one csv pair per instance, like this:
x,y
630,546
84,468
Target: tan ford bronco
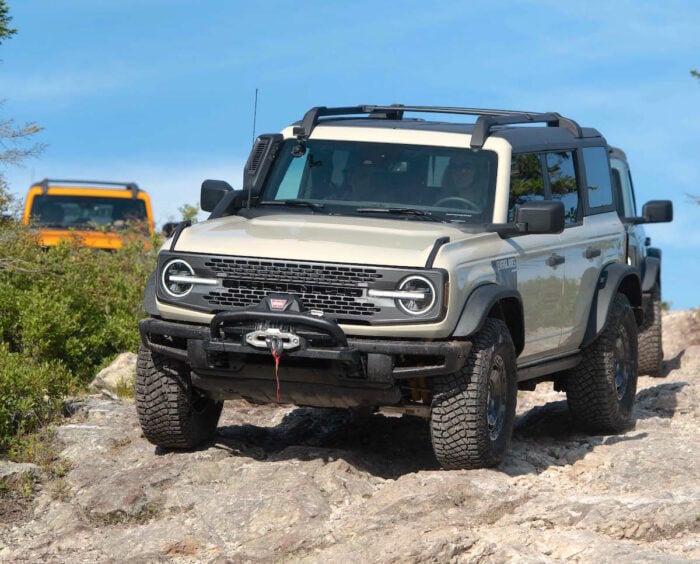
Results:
x,y
373,260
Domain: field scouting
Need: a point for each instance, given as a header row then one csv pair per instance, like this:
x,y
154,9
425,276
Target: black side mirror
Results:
x,y
536,217
541,216
212,193
656,211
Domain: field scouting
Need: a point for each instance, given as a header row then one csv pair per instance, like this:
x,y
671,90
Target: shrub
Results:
x,y
70,302
30,393
67,312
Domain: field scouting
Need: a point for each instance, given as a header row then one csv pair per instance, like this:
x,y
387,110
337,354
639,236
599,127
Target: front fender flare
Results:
x,y
482,301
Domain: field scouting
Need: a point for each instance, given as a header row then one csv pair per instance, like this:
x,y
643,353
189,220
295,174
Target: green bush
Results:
x,y
30,393
67,312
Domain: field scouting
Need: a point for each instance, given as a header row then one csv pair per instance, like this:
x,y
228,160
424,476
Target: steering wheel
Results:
x,y
468,204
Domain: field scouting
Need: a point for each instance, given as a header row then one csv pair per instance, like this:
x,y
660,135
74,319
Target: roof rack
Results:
x,y
97,183
485,123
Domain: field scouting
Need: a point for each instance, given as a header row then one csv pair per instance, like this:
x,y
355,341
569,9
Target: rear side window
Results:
x,y
562,180
526,182
599,187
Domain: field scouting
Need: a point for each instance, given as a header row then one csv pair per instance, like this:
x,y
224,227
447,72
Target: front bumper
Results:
x,y
326,368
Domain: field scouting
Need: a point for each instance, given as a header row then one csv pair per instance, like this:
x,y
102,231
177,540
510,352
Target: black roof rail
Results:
x,y
487,120
46,182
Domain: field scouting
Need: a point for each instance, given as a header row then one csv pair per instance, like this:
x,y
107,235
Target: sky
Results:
x,y
161,92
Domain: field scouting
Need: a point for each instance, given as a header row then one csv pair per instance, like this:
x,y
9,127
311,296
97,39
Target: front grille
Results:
x,y
335,300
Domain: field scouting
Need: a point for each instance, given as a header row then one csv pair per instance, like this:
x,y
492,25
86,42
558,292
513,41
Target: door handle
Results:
x,y
555,260
591,252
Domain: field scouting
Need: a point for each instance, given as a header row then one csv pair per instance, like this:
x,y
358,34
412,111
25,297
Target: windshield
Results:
x,y
415,181
88,212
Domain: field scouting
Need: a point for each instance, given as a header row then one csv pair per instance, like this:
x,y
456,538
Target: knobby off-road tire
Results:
x,y
602,388
473,409
651,353
171,413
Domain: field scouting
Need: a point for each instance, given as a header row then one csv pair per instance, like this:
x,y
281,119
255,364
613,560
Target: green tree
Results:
x,y
5,30
189,212
695,73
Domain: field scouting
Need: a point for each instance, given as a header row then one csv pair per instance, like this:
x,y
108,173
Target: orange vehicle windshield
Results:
x,y
87,212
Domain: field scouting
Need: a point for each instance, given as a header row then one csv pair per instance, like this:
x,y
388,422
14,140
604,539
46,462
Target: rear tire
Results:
x,y
172,414
601,390
651,353
473,409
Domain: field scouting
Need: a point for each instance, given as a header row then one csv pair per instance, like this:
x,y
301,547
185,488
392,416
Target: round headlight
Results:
x,y
417,305
177,269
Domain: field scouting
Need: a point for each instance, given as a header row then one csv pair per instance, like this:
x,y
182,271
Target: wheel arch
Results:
x,y
495,301
615,278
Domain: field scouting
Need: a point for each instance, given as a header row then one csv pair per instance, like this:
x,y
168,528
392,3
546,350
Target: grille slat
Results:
x,y
292,272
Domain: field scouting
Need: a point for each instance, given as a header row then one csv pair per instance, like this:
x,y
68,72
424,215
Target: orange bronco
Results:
x,y
96,212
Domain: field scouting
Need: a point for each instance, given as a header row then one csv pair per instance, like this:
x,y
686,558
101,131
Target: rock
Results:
x,y
17,471
119,374
315,485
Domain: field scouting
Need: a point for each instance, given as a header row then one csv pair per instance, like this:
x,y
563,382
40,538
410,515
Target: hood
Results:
x,y
357,240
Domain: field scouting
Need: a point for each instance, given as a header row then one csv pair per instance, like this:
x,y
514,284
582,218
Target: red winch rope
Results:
x,y
276,356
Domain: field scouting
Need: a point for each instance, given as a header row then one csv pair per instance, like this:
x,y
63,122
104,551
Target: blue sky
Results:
x,y
161,92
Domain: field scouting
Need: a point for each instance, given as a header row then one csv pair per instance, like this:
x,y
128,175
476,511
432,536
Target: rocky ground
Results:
x,y
280,484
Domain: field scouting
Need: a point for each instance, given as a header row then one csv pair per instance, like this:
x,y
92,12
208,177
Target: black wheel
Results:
x,y
172,414
602,388
473,409
651,353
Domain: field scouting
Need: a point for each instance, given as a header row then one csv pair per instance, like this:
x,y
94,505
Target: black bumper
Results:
x,y
198,338
328,364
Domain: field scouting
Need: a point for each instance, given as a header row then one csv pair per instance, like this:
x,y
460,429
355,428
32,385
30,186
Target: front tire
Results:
x,y
172,414
601,390
473,409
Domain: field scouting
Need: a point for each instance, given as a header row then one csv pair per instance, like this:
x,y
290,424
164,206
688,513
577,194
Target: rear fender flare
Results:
x,y
613,279
651,272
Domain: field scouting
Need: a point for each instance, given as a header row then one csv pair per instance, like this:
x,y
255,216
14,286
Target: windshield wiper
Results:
x,y
403,211
296,203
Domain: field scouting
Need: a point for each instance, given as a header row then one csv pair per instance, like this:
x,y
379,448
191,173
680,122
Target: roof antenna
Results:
x,y
255,118
255,113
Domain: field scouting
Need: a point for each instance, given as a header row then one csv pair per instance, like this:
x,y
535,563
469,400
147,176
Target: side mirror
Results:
x,y
542,216
169,228
536,217
212,193
656,211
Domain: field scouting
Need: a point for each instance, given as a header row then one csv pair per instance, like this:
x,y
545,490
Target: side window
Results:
x,y
599,188
526,183
562,180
